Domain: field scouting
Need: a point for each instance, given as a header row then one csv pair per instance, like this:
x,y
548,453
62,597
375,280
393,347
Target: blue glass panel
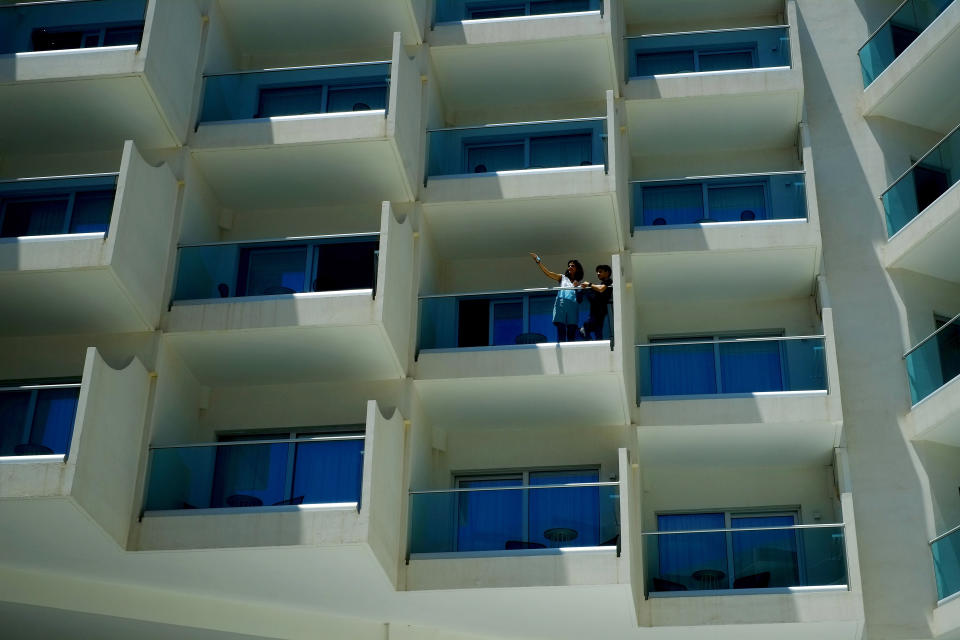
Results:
x,y
488,519
560,516
725,60
53,419
683,370
328,471
894,36
70,25
34,216
665,62
946,564
250,475
357,98
694,560
288,101
455,10
737,203
770,554
507,322
561,151
677,204
541,315
91,212
271,271
747,367
924,183
487,158
724,50
934,363
13,415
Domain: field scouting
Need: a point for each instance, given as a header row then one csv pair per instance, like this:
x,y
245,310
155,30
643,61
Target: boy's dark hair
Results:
x,y
578,269
604,267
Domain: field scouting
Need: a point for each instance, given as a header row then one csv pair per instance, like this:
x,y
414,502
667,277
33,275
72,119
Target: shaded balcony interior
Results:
x,y
28,27
922,184
938,463
37,417
56,206
783,532
135,82
465,10
243,32
934,361
897,33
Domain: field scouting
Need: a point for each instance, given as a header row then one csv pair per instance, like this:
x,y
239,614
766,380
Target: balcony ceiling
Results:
x,y
725,275
321,32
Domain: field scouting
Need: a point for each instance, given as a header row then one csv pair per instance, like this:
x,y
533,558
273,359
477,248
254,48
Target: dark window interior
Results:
x,y
473,329
930,183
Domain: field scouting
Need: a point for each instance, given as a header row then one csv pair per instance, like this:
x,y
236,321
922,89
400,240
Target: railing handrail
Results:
x,y
731,530
497,293
883,24
922,158
729,340
517,488
33,387
801,172
939,329
235,443
290,239
517,124
114,174
702,31
302,68
944,535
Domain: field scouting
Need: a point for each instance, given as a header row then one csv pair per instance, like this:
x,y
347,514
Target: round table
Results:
x,y
710,578
559,535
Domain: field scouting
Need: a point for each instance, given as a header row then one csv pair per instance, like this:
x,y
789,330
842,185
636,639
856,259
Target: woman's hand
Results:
x,y
535,257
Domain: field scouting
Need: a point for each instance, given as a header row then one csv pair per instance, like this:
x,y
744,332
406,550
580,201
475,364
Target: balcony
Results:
x,y
559,52
909,55
333,492
94,244
524,184
770,393
484,356
76,447
340,134
922,213
522,528
932,368
945,549
343,301
123,78
680,84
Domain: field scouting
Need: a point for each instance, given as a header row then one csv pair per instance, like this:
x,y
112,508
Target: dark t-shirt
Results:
x,y
599,300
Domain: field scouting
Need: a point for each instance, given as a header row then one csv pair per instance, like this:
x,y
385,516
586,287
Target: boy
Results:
x,y
599,296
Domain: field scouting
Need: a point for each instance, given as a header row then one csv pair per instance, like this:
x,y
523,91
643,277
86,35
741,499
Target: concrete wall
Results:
x,y
382,494
141,232
395,282
404,123
797,317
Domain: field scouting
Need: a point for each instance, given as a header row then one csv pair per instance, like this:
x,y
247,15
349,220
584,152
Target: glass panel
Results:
x,y
507,322
572,515
327,472
250,475
116,36
91,212
34,217
541,316
69,25
790,557
489,519
357,98
946,564
897,34
737,203
715,51
274,271
53,419
502,520
561,151
14,406
680,370
484,12
455,10
495,157
541,7
491,148
346,265
764,558
679,204
725,60
241,96
934,363
747,367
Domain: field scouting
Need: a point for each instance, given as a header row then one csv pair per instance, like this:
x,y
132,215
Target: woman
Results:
x,y
565,309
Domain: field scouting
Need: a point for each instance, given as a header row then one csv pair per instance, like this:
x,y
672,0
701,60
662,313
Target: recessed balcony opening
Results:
x,y
58,26
57,206
37,417
896,34
934,361
465,10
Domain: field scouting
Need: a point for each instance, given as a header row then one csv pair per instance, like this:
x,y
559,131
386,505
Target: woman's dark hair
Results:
x,y
578,269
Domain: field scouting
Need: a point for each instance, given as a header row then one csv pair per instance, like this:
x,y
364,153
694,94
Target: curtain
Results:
x,y
91,211
273,271
681,555
676,204
682,370
561,151
486,520
32,217
494,157
574,508
507,321
747,367
760,552
665,62
328,471
732,203
13,413
53,418
726,60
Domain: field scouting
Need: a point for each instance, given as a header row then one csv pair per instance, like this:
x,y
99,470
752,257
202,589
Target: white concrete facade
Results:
x,y
763,442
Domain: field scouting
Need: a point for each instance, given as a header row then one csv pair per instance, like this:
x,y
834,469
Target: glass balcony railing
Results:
x,y
255,472
490,148
928,179
522,316
704,366
52,206
456,10
946,562
746,557
896,34
335,88
701,51
77,24
501,518
276,267
742,198
935,361
37,419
